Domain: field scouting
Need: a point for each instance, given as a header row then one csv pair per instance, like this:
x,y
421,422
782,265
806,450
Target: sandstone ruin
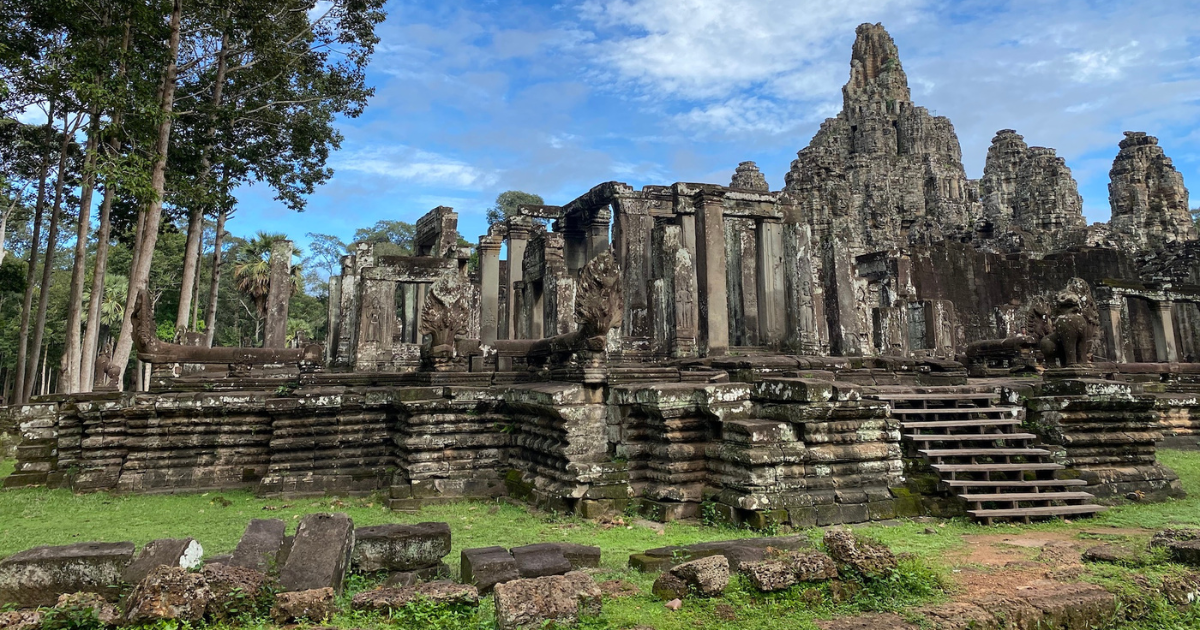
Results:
x,y
881,337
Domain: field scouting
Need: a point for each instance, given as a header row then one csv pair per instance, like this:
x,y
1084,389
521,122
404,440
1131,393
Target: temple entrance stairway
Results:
x,y
976,445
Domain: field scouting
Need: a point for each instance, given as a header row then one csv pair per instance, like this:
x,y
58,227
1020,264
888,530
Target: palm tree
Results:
x,y
252,273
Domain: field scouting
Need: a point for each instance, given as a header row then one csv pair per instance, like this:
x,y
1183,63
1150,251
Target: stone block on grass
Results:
x,y
259,546
164,552
314,605
561,599
168,593
486,567
320,554
442,593
395,547
36,577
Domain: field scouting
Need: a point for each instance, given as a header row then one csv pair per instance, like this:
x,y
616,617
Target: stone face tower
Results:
x,y
748,177
1148,200
884,173
1029,192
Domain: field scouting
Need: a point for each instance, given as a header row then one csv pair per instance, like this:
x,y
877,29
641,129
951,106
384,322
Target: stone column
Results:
x,y
1110,320
347,321
334,318
772,316
410,312
518,238
597,233
489,281
1164,333
278,295
711,268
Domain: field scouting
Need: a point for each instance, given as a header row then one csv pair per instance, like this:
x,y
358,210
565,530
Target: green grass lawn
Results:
x,y
30,517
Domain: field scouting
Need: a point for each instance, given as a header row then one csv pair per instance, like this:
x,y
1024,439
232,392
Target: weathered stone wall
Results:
x,y
1105,432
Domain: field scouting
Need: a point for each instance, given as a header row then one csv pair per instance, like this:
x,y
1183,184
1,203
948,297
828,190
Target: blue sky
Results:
x,y
475,98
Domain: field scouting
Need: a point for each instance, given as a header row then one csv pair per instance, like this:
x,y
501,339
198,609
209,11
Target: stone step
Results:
x,y
967,437
906,397
1027,496
983,452
1013,411
955,424
1051,510
1035,483
960,468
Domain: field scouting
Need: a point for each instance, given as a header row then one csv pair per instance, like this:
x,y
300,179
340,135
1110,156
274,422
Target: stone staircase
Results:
x,y
976,446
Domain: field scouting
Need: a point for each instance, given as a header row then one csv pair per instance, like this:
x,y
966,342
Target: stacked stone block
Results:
x,y
560,456
1104,432
665,432
851,453
191,441
448,444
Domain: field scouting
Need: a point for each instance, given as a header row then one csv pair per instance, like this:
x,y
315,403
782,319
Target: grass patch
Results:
x,y
31,517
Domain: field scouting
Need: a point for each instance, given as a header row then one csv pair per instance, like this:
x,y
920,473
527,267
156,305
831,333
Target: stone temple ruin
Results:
x,y
881,337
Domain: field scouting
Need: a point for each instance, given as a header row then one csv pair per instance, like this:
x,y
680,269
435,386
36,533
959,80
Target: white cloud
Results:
x,y
417,166
709,48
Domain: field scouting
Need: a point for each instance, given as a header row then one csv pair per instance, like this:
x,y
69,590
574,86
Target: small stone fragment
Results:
x,y
313,605
769,575
20,620
107,613
811,566
674,604
168,593
706,577
1116,554
530,603
865,556
1181,590
235,590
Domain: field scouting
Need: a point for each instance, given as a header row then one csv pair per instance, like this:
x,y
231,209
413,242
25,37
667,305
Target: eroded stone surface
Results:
x,y
530,603
395,547
320,554
168,593
862,555
309,605
36,577
172,552
440,593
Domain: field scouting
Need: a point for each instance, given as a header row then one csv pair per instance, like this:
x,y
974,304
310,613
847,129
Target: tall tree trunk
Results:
x,y
91,337
148,234
210,313
191,254
31,272
70,371
12,207
39,329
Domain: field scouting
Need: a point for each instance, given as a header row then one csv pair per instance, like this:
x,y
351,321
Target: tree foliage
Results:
x,y
507,203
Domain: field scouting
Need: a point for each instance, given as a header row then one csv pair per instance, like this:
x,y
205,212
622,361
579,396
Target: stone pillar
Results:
x,y
1164,333
711,268
489,281
772,316
575,248
518,238
410,312
334,319
421,291
632,231
347,322
278,295
597,233
1110,320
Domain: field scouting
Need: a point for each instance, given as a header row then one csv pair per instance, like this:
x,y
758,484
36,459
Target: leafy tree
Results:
x,y
396,237
252,273
507,203
327,251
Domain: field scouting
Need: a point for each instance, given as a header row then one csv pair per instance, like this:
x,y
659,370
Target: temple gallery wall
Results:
x,y
880,337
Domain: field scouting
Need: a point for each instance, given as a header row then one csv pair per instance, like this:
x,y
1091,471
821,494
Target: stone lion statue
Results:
x,y
1075,331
